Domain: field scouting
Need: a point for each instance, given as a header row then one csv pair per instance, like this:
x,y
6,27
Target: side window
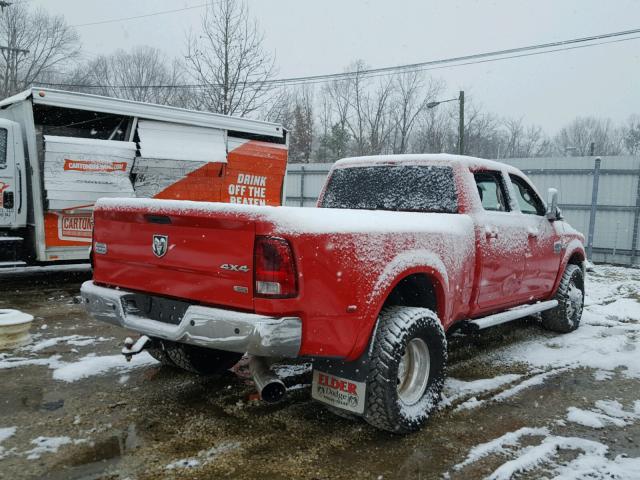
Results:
x,y
3,147
491,191
526,197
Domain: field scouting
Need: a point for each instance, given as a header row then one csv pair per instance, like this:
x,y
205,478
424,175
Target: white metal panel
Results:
x,y
181,142
572,188
19,97
620,162
78,171
617,189
613,229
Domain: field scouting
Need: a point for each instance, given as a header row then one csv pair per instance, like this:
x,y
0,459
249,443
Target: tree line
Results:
x,y
226,69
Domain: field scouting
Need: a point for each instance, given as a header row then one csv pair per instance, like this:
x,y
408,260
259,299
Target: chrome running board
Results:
x,y
509,315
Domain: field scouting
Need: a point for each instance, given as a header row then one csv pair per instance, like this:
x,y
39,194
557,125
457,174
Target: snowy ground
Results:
x,y
520,403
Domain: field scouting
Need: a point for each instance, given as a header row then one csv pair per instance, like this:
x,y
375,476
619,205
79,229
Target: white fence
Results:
x,y
601,198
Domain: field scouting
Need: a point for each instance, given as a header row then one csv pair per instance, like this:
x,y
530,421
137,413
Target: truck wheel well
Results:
x,y
417,290
576,259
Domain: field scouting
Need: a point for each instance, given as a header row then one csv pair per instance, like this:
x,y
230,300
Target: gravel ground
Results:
x,y
71,408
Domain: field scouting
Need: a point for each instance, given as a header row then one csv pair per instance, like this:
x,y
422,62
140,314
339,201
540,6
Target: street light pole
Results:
x,y
461,124
460,100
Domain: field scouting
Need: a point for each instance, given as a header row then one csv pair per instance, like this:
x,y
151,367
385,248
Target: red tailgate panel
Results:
x,y
191,269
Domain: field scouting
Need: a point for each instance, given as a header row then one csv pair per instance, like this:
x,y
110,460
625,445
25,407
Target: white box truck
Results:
x,y
61,151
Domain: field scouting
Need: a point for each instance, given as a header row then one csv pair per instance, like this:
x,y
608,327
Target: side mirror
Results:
x,y
553,212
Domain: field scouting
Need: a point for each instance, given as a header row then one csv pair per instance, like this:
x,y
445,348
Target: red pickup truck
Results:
x,y
401,251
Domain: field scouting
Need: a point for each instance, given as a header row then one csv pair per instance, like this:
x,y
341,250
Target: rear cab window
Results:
x,y
407,188
491,190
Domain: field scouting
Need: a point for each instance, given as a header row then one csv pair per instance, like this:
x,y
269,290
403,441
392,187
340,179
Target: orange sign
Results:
x,y
75,227
94,166
68,229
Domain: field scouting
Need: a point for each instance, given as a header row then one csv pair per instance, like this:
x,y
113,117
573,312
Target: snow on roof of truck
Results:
x,y
150,111
431,158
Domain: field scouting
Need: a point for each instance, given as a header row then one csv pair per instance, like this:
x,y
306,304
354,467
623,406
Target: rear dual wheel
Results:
x,y
157,351
408,369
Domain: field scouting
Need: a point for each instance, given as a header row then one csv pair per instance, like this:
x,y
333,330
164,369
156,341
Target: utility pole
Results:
x,y
11,71
461,124
10,53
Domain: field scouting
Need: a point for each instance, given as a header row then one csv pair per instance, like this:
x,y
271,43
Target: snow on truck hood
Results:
x,y
307,220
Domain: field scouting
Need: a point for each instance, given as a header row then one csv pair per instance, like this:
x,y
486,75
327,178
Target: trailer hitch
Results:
x,y
132,348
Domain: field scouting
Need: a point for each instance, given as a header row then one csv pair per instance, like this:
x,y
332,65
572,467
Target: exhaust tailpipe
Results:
x,y
270,387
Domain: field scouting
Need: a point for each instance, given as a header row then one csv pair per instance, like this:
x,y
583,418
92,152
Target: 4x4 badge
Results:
x,y
234,268
159,245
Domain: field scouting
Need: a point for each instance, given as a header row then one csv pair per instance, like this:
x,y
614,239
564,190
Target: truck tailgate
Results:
x,y
203,257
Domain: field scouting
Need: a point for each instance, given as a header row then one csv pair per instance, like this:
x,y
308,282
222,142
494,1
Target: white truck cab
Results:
x,y
13,186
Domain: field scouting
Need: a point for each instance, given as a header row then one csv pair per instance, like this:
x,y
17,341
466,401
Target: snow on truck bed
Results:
x,y
307,220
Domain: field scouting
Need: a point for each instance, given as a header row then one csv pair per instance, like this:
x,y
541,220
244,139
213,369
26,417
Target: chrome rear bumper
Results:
x,y
204,326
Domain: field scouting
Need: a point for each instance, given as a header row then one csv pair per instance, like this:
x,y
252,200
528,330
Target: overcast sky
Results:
x,y
323,36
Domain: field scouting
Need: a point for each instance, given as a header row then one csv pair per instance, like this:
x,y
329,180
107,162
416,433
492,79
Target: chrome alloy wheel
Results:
x,y
413,371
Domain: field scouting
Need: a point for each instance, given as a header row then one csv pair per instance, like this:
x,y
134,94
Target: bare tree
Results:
x,y
362,109
435,132
229,59
378,115
536,142
335,141
144,74
38,46
575,138
279,107
356,103
411,101
522,141
339,93
514,136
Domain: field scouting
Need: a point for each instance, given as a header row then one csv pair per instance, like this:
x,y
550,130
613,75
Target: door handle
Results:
x,y
491,232
533,232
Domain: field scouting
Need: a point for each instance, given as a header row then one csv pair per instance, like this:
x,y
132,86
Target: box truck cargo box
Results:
x,y
61,151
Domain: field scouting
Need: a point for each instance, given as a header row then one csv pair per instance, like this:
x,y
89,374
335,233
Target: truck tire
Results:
x,y
408,369
157,350
200,360
565,317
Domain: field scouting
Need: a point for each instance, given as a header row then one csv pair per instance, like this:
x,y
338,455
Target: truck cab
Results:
x,y
13,192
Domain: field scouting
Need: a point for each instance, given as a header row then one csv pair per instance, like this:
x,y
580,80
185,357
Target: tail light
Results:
x,y
274,268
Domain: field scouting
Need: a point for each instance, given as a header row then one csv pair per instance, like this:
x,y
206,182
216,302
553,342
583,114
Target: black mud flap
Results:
x,y
341,384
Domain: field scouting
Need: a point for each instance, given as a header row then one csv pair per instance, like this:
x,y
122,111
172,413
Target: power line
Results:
x,y
153,14
418,66
462,64
493,56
